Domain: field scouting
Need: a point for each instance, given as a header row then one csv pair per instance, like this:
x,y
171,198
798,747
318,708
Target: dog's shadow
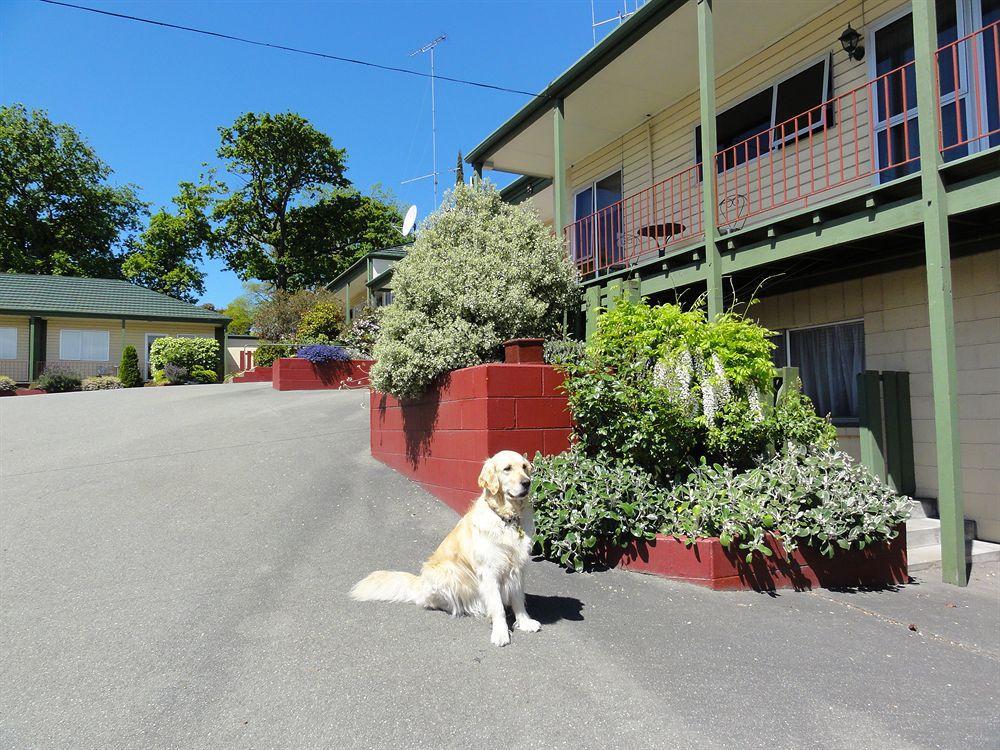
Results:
x,y
551,609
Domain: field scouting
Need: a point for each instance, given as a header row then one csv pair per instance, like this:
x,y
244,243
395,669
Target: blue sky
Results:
x,y
149,99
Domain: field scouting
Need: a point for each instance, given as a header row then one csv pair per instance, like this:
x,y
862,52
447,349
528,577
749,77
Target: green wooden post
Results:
x,y
937,251
893,439
33,336
221,336
870,433
121,348
789,379
592,296
898,431
615,289
558,168
709,145
347,300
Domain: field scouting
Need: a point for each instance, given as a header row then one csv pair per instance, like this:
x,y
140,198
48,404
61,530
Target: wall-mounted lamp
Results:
x,y
850,41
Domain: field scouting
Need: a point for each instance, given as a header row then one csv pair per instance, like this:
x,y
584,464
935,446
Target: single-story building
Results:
x,y
83,324
368,281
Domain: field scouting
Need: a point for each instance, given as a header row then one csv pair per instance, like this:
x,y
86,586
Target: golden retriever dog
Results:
x,y
478,568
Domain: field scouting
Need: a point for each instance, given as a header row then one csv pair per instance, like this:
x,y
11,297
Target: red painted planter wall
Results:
x,y
256,375
293,374
708,563
442,439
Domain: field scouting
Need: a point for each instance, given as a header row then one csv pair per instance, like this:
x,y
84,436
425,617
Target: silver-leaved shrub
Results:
x,y
480,272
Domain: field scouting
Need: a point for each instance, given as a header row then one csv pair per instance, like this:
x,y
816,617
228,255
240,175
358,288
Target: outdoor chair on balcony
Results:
x,y
732,213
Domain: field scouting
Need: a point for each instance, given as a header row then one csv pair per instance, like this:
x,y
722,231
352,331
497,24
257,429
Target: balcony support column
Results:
x,y
709,145
937,252
559,185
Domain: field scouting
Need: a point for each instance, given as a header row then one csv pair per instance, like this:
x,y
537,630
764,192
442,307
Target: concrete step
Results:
x,y
924,532
924,507
976,551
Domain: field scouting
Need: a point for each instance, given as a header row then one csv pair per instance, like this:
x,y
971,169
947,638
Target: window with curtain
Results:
x,y
829,359
8,343
84,346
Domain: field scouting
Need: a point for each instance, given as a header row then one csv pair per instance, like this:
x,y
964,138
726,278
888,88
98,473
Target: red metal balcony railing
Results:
x,y
868,133
664,214
969,82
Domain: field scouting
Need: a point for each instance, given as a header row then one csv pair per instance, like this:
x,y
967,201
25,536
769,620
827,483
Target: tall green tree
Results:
x,y
242,311
294,219
58,212
170,251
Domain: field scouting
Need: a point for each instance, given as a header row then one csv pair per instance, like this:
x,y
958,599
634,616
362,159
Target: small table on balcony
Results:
x,y
662,230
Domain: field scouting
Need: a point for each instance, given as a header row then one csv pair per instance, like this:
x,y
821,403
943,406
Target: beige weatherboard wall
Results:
x,y
135,333
14,335
664,144
893,307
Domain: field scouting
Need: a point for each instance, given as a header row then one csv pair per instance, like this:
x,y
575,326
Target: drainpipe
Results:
x,y
937,252
709,145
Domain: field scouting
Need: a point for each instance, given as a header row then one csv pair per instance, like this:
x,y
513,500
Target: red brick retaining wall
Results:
x,y
442,439
293,374
708,563
256,375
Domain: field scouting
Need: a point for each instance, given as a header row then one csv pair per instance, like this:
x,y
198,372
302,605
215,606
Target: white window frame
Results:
x,y
775,144
4,329
62,344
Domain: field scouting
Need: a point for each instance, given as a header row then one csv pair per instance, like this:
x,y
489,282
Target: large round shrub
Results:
x,y
184,352
480,272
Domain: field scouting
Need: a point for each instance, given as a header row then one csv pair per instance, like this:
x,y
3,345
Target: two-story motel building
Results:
x,y
854,188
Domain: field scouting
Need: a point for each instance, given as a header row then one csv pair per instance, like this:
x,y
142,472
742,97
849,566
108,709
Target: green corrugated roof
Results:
x,y
54,295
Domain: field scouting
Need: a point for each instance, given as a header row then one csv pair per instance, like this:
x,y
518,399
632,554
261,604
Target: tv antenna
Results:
x,y
622,16
429,47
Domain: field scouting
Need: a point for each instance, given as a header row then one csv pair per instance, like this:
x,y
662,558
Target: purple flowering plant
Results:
x,y
320,353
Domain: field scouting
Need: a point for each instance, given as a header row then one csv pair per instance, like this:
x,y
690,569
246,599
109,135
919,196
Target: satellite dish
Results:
x,y
409,220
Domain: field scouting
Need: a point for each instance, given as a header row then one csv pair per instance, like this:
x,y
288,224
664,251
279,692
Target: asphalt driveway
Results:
x,y
174,570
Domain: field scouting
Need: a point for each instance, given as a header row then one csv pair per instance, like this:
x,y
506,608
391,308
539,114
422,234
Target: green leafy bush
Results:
x,y
101,383
322,324
7,385
57,379
360,336
203,375
280,316
795,421
184,352
818,497
480,272
170,374
580,500
265,354
564,351
661,386
128,369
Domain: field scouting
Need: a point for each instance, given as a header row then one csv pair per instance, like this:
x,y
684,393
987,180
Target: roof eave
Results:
x,y
606,51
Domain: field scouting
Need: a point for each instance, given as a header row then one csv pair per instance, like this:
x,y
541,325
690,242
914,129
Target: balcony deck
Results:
x,y
848,144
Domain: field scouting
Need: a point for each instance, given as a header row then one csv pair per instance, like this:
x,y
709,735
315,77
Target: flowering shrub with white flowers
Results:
x,y
679,431
481,271
661,387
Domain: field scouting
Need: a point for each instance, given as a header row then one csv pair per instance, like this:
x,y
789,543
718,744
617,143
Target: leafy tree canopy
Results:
x,y
169,252
58,212
294,221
